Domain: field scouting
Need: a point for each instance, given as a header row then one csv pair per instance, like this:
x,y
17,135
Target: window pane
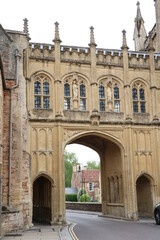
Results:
x,y
66,103
116,92
134,94
37,88
66,90
141,94
102,105
46,102
46,88
91,187
37,102
101,92
135,107
83,104
82,90
117,106
143,107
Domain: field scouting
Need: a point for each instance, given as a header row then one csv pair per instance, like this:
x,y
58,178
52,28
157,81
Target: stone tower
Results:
x,y
140,34
157,9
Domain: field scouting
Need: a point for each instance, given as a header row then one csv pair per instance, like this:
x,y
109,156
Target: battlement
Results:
x,y
82,55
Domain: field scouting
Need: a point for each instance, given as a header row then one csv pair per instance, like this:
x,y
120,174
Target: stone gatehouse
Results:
x,y
53,95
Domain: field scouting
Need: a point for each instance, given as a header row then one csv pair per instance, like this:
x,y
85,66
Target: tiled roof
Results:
x,y
91,175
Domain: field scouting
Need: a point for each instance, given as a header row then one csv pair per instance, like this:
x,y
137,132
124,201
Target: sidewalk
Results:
x,y
41,232
55,232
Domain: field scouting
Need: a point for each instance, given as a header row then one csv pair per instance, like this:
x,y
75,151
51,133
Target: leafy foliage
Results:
x,y
70,160
84,198
93,165
71,197
80,193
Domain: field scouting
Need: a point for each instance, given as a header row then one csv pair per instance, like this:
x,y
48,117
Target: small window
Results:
x,y
45,102
116,99
46,88
82,90
134,94
101,92
102,105
82,97
91,187
116,92
66,96
66,90
37,101
83,104
101,98
117,106
37,87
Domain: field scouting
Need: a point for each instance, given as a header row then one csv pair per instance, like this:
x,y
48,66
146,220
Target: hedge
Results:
x,y
71,197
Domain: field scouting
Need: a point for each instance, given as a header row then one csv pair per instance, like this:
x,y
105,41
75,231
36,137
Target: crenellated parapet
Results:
x,y
75,54
82,55
40,51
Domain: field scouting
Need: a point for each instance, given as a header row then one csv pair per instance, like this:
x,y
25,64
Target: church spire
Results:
x,y
140,34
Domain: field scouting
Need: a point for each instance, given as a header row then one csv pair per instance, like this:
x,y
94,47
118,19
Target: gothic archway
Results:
x,y
144,197
111,154
42,200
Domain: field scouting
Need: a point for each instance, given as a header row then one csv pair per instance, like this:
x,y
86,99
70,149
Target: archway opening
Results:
x,y
111,172
85,172
144,197
42,200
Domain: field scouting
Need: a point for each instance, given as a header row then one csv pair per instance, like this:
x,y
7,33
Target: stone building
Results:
x,y
53,95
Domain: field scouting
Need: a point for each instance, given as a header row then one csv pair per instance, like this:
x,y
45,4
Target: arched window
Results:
x,y
138,98
112,101
101,98
66,96
116,99
41,93
82,97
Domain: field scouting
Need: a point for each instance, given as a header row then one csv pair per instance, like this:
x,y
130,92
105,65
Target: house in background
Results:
x,y
88,180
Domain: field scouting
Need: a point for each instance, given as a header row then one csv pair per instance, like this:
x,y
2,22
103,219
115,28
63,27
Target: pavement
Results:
x,y
41,232
55,232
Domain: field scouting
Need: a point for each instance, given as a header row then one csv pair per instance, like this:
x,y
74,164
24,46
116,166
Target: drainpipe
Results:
x,y
17,56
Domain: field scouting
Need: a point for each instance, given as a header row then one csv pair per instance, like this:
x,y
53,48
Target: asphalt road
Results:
x,y
92,227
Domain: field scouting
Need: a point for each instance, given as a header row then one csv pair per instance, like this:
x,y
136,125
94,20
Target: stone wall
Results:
x,y
12,221
93,207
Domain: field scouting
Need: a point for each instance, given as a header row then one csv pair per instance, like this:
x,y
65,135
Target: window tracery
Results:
x,y
66,96
109,97
138,98
82,97
41,92
75,94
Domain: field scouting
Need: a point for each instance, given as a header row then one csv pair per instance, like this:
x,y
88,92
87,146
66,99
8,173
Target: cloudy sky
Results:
x,y
108,17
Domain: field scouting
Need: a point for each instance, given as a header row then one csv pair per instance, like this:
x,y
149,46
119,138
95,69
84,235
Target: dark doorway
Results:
x,y
144,197
42,200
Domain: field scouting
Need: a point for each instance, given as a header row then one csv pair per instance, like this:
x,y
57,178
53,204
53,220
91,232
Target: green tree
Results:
x,y
84,198
70,160
92,165
80,193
